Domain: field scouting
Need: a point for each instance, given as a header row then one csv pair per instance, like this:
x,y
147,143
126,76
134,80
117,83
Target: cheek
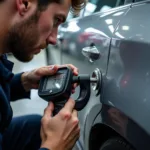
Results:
x,y
45,27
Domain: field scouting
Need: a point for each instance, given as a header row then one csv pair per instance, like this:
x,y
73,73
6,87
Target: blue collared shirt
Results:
x,y
11,89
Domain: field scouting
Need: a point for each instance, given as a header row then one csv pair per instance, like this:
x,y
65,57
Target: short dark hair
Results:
x,y
76,5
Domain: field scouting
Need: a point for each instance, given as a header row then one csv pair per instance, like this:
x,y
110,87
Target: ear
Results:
x,y
23,6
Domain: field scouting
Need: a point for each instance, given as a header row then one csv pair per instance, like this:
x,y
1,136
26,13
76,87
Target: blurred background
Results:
x,y
35,105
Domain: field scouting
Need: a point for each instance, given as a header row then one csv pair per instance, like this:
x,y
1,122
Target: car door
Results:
x,y
128,69
94,29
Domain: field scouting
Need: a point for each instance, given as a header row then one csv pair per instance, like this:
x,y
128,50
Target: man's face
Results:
x,y
28,37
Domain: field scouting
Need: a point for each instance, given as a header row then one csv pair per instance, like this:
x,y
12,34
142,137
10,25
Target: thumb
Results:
x,y
45,71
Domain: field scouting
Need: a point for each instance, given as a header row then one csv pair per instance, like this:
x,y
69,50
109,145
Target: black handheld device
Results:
x,y
57,88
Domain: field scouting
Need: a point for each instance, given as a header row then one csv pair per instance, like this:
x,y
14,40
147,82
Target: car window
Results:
x,y
139,0
71,15
101,5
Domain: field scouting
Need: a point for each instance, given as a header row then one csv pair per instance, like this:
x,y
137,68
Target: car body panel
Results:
x,y
100,28
121,124
127,84
122,37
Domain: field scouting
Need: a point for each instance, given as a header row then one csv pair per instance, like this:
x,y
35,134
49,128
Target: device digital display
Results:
x,y
55,82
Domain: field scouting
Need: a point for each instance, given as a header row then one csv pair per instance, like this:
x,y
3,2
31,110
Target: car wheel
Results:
x,y
115,144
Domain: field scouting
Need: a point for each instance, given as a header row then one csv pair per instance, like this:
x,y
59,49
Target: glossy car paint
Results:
x,y
127,86
100,27
122,37
104,25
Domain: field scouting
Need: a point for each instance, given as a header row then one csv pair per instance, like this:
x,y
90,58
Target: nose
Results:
x,y
52,39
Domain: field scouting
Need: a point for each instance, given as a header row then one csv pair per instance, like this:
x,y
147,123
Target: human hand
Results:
x,y
30,80
61,131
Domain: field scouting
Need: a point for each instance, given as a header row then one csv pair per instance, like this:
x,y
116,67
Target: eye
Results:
x,y
57,21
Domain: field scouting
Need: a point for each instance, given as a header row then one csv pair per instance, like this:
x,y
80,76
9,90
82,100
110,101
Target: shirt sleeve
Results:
x,y
17,90
44,149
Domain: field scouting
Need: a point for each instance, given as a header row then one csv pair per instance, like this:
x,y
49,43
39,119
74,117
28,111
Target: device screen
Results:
x,y
55,82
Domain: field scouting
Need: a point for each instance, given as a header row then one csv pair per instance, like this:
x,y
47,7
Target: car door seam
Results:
x,y
112,37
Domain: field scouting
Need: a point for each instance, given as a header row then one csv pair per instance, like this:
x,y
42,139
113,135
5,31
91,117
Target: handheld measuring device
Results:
x,y
57,88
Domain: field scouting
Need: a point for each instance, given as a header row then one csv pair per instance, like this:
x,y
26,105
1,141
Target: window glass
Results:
x,y
101,5
71,15
139,0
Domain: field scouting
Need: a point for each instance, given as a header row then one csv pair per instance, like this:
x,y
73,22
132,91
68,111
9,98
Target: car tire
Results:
x,y
115,144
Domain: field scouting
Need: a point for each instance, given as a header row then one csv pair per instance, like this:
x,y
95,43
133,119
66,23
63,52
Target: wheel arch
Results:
x,y
99,134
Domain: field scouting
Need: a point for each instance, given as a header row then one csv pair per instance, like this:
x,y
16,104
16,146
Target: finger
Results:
x,y
49,110
75,120
73,91
45,71
75,114
42,134
76,137
73,140
75,85
69,106
73,68
35,86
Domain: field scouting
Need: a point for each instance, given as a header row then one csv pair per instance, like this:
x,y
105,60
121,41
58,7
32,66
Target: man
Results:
x,y
27,26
